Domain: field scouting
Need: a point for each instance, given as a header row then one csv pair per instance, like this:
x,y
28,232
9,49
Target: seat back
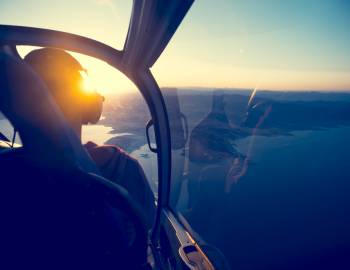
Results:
x,y
26,102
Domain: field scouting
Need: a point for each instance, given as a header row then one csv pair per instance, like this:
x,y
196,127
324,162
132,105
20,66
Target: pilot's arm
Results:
x,y
119,167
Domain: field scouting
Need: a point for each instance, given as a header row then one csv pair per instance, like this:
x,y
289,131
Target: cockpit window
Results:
x,y
103,20
108,113
124,116
258,100
9,137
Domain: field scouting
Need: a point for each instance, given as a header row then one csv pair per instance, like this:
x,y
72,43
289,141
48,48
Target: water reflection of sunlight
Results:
x,y
99,134
148,161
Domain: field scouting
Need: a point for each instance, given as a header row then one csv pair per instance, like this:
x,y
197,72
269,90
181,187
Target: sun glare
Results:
x,y
88,85
101,77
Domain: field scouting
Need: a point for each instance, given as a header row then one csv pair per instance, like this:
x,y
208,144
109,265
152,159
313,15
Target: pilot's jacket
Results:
x,y
119,167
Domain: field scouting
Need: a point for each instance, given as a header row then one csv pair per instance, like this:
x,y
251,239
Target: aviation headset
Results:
x,y
59,66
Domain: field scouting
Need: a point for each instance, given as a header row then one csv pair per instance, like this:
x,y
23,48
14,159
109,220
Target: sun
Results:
x,y
87,84
98,76
102,78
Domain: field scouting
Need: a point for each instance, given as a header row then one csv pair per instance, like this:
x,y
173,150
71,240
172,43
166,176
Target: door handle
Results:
x,y
194,259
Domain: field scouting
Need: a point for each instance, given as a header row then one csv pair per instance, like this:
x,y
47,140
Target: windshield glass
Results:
x,y
107,113
104,20
257,94
124,117
9,137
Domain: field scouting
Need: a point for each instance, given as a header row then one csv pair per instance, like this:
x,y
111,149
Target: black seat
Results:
x,y
56,212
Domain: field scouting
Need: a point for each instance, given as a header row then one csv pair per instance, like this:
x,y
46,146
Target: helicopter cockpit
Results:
x,y
80,227
235,113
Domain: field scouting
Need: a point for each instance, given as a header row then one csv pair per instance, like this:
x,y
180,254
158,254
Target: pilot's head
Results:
x,y
62,74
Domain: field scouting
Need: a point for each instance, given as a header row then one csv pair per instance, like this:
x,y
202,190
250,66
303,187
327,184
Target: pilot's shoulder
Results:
x,y
104,153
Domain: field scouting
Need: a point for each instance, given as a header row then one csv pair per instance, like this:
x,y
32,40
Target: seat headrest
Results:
x,y
26,102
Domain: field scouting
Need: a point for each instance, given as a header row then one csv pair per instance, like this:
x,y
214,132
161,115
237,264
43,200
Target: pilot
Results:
x,y
63,76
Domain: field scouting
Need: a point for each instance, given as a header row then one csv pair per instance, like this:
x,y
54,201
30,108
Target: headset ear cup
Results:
x,y
92,109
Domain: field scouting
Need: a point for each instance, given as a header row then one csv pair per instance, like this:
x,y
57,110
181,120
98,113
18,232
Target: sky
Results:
x,y
264,44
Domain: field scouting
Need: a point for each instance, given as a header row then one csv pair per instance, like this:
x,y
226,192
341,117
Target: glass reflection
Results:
x,y
263,177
